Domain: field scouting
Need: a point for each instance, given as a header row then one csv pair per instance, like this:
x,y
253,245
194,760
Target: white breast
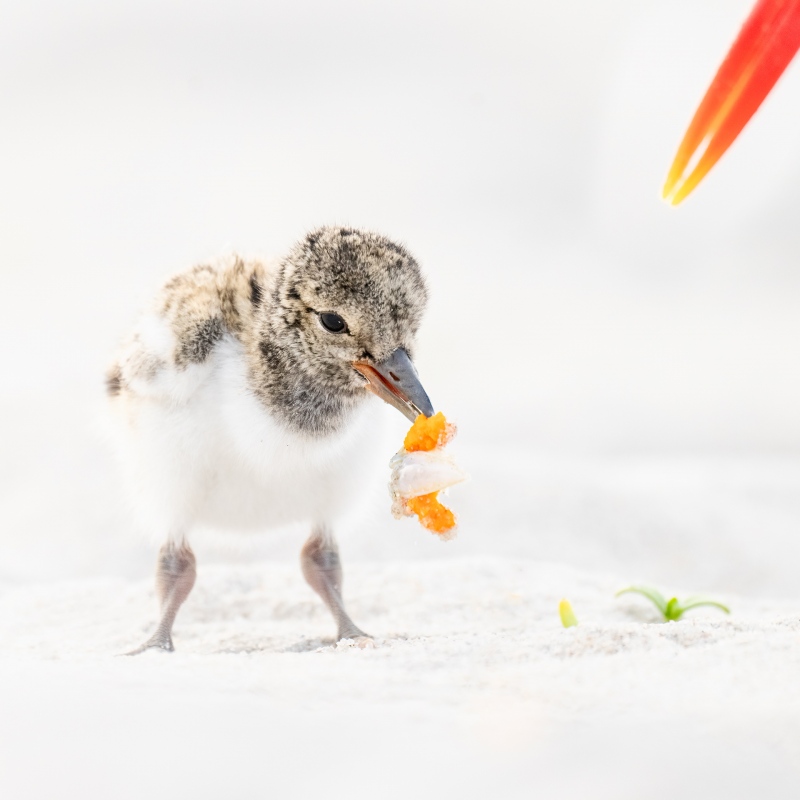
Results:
x,y
219,460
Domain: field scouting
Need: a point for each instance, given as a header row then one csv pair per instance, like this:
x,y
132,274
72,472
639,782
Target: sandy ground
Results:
x,y
525,148
473,690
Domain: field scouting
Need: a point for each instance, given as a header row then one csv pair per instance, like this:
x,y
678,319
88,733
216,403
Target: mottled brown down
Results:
x,y
301,372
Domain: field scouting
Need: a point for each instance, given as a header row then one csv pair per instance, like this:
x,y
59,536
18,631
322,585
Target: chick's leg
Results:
x,y
175,576
323,571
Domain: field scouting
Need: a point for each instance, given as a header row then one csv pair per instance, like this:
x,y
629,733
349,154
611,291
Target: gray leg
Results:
x,y
175,575
323,571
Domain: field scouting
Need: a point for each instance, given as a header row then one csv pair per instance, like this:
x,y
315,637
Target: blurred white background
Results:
x,y
518,148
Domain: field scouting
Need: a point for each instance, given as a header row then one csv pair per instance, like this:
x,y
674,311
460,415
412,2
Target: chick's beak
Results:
x,y
766,44
395,381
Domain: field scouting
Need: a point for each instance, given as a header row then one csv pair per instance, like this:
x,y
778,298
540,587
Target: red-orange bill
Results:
x,y
766,44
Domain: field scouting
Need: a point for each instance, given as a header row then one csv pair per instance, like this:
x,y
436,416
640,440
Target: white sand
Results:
x,y
474,689
525,147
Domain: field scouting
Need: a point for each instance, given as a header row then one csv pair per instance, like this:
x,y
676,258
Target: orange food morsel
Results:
x,y
432,514
427,433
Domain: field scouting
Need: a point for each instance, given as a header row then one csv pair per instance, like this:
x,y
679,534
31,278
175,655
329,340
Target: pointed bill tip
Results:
x,y
688,186
668,195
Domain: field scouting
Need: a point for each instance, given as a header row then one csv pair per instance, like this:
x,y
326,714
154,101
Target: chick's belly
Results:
x,y
238,501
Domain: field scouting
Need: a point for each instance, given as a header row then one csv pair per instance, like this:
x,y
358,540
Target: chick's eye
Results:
x,y
333,323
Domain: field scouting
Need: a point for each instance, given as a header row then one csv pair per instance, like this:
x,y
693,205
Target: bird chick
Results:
x,y
241,404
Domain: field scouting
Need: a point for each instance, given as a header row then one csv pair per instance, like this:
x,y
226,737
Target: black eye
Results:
x,y
333,323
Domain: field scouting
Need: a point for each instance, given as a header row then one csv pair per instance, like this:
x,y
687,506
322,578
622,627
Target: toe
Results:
x,y
156,642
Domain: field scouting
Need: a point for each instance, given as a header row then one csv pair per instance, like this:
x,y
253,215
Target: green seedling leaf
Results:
x,y
568,618
672,609
653,595
695,602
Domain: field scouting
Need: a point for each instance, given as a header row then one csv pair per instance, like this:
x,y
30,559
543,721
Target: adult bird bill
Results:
x,y
767,42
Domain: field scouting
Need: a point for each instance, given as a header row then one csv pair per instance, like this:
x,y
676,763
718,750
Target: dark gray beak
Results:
x,y
395,381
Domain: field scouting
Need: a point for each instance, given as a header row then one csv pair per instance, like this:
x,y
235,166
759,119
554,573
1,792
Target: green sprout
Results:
x,y
672,609
568,618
